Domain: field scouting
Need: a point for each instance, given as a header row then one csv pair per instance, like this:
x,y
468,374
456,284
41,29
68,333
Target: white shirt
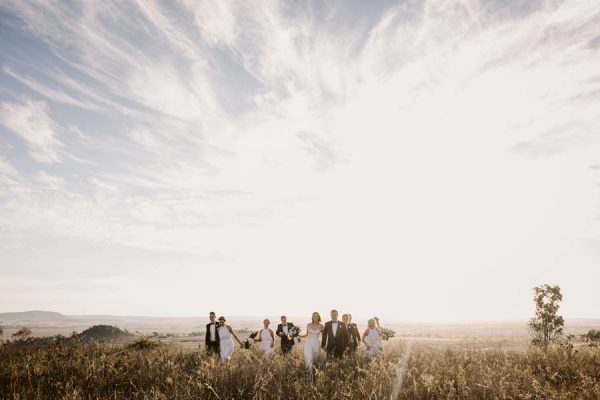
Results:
x,y
334,326
213,329
285,329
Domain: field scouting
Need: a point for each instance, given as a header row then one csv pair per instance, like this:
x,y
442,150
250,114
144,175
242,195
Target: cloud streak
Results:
x,y
31,122
303,134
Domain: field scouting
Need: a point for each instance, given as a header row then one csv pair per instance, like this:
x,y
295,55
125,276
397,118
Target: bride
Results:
x,y
312,346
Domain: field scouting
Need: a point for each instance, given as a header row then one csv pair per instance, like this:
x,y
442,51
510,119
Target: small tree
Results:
x,y
546,326
22,334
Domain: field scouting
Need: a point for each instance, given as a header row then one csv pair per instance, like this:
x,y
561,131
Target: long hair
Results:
x,y
318,316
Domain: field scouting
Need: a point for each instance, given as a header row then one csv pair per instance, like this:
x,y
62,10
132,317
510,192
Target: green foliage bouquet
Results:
x,y
386,334
249,342
294,334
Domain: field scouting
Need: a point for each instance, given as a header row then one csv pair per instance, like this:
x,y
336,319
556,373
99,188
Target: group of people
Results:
x,y
336,338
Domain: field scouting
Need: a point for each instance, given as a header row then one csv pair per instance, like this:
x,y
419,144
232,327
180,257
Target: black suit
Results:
x,y
286,343
353,337
212,346
335,345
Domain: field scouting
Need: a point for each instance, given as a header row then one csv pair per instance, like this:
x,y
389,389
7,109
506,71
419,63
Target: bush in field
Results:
x,y
103,332
592,338
31,342
21,334
143,344
546,326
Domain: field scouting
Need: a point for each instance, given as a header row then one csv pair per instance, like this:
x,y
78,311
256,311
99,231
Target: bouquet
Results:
x,y
294,333
249,342
386,334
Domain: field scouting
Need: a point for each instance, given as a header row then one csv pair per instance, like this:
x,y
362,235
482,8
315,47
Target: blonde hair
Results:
x,y
318,316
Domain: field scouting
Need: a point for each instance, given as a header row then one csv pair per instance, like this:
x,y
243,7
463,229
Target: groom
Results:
x,y
212,335
283,331
335,337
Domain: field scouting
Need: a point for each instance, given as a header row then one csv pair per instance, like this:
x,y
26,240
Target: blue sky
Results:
x,y
431,161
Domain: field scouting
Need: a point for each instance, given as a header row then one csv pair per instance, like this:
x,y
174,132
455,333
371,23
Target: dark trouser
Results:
x,y
286,347
213,348
352,348
335,353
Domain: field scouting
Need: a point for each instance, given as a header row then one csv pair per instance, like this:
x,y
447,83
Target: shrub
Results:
x,y
22,334
592,338
143,344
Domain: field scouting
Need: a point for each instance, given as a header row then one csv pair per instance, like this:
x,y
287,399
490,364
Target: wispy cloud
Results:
x,y
50,93
50,181
30,121
263,131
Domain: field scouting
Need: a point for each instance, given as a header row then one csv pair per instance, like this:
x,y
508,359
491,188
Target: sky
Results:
x,y
416,160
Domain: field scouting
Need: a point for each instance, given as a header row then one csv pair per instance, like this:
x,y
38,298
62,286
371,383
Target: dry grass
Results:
x,y
102,371
90,371
436,373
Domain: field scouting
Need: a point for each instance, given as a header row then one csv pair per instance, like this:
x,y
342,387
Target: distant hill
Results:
x,y
104,332
31,316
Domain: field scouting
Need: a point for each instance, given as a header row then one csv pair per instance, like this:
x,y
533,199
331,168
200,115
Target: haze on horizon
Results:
x,y
418,160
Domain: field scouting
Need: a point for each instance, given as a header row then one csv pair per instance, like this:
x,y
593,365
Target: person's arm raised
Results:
x,y
234,335
377,321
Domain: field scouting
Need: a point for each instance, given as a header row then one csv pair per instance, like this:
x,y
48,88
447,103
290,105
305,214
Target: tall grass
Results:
x,y
555,373
92,371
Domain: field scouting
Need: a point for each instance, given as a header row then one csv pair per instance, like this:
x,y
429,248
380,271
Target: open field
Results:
x,y
407,370
424,361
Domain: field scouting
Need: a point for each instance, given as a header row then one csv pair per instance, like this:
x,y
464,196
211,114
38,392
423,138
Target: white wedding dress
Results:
x,y
374,343
266,343
312,348
226,342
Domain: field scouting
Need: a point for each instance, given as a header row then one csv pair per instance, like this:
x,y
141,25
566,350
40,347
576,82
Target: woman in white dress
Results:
x,y
312,345
266,337
372,339
226,336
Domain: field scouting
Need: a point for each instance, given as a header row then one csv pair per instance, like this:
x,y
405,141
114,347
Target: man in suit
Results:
x,y
212,335
353,334
335,337
283,330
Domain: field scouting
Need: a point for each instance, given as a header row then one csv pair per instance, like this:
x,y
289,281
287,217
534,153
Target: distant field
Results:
x,y
49,324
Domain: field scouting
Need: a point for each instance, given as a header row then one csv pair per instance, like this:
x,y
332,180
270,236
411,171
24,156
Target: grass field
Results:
x,y
407,370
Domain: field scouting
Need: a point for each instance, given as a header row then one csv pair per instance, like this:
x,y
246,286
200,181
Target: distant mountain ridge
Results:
x,y
53,316
31,316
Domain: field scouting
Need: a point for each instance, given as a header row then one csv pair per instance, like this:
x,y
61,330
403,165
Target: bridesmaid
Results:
x,y
226,333
372,339
266,337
